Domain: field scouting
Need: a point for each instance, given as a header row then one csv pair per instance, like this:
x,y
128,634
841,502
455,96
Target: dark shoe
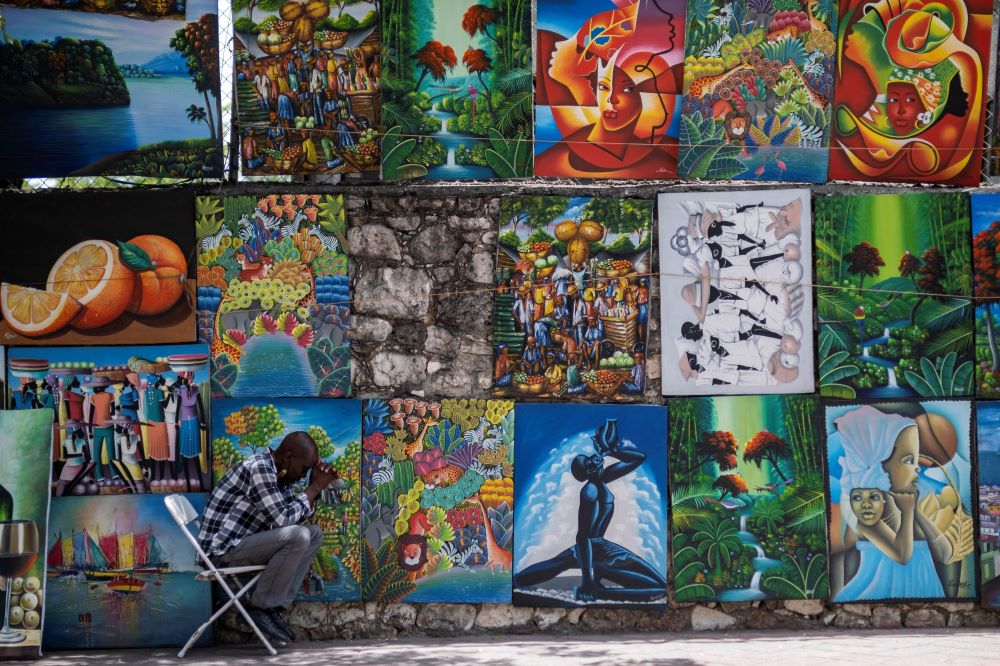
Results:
x,y
280,621
265,622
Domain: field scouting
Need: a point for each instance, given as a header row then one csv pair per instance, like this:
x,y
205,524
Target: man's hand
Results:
x,y
323,475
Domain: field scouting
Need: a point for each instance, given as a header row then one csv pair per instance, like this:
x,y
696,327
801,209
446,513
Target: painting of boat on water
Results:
x,y
121,575
88,94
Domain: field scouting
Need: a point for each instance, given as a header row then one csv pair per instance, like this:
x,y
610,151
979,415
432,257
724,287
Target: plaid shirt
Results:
x,y
246,501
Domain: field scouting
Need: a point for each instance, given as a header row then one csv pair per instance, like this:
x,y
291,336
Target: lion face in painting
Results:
x,y
736,125
412,551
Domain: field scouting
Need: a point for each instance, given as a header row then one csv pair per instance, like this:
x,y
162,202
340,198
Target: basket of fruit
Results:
x,y
330,39
614,268
274,43
533,251
368,147
619,360
546,266
156,7
532,384
604,383
286,161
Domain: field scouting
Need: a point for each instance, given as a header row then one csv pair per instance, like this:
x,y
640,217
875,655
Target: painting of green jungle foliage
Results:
x,y
748,508
895,317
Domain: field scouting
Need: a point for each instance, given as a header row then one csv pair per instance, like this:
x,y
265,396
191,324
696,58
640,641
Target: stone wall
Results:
x,y
422,262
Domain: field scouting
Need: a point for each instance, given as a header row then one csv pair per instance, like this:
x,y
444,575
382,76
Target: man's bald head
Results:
x,y
295,456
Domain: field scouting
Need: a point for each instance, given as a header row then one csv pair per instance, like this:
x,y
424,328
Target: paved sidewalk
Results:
x,y
910,648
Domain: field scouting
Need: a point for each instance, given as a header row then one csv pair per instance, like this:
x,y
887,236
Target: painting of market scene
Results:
x,y
143,9
307,86
895,314
273,295
88,94
748,508
121,575
437,500
571,309
242,428
986,285
457,89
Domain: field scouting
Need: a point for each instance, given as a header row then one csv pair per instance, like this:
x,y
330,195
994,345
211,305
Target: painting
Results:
x,y
576,465
307,86
758,80
274,295
895,276
125,420
91,94
122,575
142,9
450,114
900,480
571,308
244,427
437,500
736,292
988,441
748,507
986,288
121,273
24,510
608,84
910,98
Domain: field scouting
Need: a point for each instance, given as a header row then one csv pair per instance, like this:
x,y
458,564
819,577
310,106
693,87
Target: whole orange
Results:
x,y
160,287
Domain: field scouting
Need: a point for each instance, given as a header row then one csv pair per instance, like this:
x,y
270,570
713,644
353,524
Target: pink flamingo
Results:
x,y
760,170
781,165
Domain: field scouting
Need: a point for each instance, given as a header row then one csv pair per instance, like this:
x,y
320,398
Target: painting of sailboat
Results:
x,y
121,575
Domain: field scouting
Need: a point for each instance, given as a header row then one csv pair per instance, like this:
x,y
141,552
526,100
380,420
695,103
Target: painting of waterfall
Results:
x,y
578,464
748,519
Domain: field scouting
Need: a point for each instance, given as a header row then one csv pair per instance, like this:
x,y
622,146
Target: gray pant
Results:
x,y
287,551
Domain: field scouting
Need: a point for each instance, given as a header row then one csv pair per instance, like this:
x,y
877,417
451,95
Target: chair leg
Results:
x,y
233,600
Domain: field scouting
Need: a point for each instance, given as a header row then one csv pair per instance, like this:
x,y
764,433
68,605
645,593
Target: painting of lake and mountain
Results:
x,y
121,575
437,500
244,427
591,522
273,294
456,89
748,507
986,286
89,94
895,314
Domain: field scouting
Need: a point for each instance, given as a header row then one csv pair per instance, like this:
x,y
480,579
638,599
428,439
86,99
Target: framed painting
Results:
x,y
736,292
24,511
122,575
571,308
274,295
451,114
895,314
94,94
988,442
900,489
125,420
758,80
608,87
123,276
591,522
437,500
986,288
141,9
244,427
307,86
910,99
748,505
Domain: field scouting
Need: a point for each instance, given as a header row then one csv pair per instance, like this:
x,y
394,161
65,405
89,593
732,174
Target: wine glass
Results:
x,y
18,552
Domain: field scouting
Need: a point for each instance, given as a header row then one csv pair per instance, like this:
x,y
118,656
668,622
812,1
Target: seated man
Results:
x,y
253,517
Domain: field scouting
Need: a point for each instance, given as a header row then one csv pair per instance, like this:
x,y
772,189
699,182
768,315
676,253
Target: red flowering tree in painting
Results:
x,y
986,276
479,18
478,62
767,446
730,484
435,59
718,447
864,260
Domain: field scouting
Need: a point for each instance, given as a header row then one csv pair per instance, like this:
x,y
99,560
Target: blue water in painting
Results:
x,y
345,588
55,142
160,615
802,165
450,169
274,366
546,132
458,585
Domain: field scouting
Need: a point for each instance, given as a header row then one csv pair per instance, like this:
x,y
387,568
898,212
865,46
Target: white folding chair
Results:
x,y
184,515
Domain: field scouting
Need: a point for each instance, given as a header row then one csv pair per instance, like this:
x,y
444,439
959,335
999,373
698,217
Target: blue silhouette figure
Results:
x,y
597,558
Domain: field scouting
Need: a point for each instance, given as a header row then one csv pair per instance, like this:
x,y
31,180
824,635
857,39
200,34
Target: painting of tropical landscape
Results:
x,y
748,519
895,314
986,283
88,94
450,113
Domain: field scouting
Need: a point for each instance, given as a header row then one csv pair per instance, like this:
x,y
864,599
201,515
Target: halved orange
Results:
x,y
93,274
36,312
